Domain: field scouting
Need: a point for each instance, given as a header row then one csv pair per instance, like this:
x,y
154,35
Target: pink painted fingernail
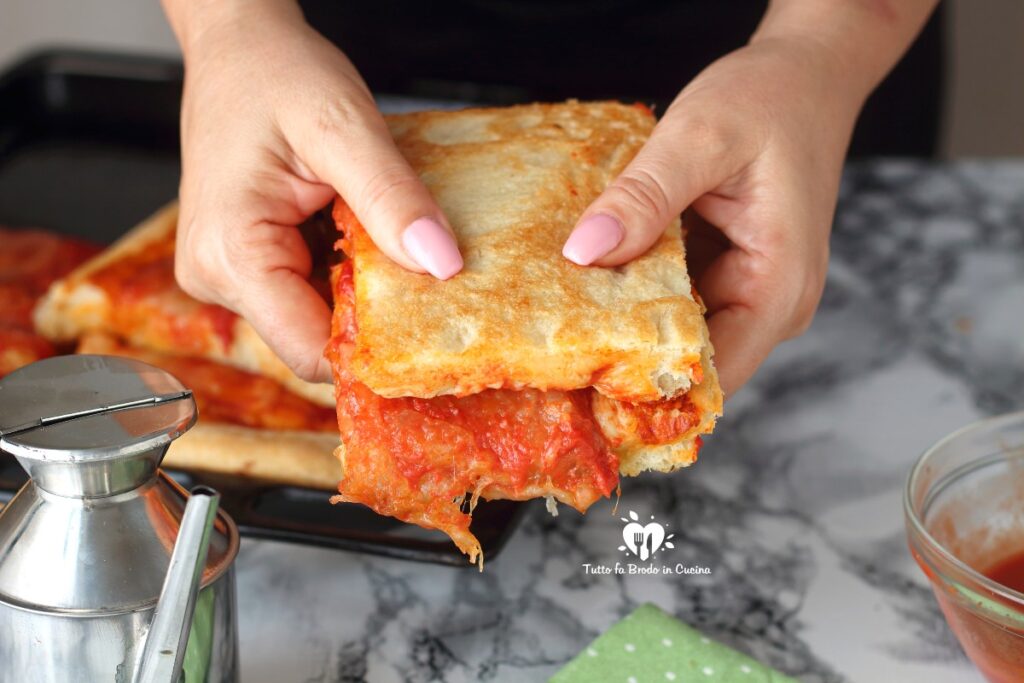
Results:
x,y
593,238
433,247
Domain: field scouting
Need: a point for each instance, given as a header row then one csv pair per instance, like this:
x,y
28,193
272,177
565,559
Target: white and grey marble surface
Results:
x,y
795,504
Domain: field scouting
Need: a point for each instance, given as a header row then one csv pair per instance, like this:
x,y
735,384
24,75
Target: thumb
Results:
x,y
354,153
680,162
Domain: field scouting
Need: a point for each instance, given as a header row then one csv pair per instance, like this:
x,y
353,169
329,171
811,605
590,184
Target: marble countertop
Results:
x,y
794,506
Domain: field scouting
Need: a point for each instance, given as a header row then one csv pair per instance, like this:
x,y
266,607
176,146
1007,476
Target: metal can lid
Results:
x,y
92,430
65,388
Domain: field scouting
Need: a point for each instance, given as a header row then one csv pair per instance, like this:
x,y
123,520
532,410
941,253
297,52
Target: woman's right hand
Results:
x,y
275,121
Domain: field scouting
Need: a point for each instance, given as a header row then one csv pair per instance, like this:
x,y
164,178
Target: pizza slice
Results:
x,y
523,376
257,420
129,291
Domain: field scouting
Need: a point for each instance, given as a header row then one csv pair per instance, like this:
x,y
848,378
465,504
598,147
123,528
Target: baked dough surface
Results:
x,y
513,182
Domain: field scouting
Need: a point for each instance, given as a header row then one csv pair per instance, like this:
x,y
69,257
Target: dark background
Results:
x,y
509,51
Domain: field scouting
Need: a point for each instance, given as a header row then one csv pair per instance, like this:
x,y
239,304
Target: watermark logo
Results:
x,y
644,540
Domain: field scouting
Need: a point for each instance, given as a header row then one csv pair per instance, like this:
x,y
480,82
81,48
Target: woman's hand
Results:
x,y
752,150
753,146
275,122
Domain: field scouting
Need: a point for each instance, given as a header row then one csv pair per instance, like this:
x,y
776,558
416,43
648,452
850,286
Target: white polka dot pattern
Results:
x,y
647,656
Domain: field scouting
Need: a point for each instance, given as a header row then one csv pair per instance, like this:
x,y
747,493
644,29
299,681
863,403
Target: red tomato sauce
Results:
x,y
150,309
996,649
35,258
30,261
663,421
1008,572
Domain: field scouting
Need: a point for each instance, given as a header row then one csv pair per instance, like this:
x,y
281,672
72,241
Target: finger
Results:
x,y
742,339
744,321
735,277
273,293
682,160
260,271
752,308
292,319
353,152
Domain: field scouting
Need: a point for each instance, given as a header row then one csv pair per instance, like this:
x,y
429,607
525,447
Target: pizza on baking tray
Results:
x,y
249,425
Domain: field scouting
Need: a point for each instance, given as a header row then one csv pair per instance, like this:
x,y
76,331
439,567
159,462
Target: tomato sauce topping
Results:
x,y
664,421
29,263
35,258
19,347
1009,572
150,309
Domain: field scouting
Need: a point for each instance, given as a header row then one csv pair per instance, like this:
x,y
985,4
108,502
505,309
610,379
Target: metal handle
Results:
x,y
164,651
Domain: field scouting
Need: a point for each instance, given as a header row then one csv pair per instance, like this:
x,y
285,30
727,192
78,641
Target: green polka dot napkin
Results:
x,y
649,646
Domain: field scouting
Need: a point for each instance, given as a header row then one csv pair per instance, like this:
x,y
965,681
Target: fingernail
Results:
x,y
433,247
593,238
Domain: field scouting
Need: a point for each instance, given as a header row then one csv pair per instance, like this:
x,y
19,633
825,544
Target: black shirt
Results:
x,y
508,51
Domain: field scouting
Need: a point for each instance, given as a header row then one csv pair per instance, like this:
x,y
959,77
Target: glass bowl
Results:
x,y
964,508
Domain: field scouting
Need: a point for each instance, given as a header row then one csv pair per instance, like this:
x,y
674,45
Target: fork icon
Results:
x,y
638,539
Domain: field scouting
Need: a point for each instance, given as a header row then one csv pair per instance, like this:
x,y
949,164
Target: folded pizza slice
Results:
x,y
524,375
417,459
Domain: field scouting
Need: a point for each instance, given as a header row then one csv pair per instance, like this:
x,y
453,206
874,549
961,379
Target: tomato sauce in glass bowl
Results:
x,y
964,509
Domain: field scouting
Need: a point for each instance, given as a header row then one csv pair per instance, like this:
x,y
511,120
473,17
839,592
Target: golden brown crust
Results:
x,y
295,458
512,182
75,306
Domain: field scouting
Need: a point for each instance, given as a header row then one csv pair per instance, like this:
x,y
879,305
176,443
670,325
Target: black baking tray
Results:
x,y
89,147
